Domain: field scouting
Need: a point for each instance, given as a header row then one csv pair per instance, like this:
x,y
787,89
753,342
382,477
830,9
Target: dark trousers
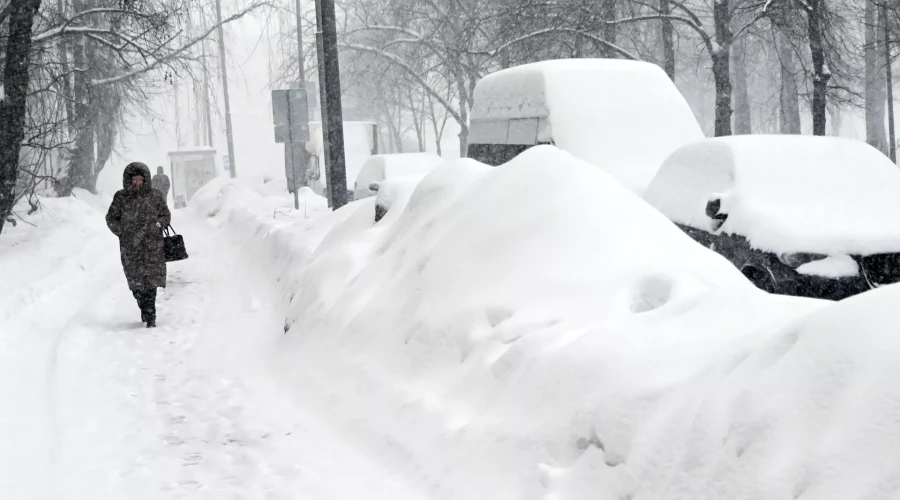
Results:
x,y
146,300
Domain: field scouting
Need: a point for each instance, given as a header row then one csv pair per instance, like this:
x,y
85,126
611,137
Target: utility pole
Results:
x,y
207,96
332,120
323,98
892,139
299,155
228,133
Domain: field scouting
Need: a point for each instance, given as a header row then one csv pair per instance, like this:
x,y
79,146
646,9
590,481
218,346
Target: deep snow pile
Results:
x,y
40,253
825,195
537,331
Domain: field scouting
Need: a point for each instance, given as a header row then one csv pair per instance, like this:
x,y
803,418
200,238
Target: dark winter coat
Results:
x,y
161,182
138,217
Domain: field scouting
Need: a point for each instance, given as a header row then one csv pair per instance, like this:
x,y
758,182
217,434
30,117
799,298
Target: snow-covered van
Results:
x,y
379,168
799,215
624,117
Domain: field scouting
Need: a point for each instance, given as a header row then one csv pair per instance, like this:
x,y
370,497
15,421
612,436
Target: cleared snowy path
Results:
x,y
95,406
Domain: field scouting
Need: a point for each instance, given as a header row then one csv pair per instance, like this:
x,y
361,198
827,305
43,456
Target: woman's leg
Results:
x,y
151,307
140,297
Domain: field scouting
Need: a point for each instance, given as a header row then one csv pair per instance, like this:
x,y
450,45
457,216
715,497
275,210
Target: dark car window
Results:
x,y
495,154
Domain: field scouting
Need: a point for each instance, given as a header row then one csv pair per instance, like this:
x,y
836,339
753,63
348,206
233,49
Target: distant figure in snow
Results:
x,y
161,182
138,215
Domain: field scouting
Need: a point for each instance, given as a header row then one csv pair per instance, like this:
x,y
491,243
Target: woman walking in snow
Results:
x,y
137,216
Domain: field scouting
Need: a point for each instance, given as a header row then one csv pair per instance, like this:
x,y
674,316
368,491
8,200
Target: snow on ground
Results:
x,y
95,406
533,331
499,335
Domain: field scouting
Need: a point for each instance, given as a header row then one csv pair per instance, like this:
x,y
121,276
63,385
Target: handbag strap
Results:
x,y
166,231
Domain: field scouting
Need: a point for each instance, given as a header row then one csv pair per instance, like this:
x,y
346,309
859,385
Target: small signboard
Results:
x,y
289,108
282,133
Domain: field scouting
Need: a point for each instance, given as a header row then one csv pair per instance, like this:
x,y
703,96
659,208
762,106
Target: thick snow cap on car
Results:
x,y
624,117
379,168
786,194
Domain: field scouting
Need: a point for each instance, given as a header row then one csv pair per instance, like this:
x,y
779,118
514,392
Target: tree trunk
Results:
x,y
393,132
63,50
106,132
608,12
668,39
418,120
789,98
875,88
743,121
80,172
464,118
12,107
888,68
432,117
821,73
721,59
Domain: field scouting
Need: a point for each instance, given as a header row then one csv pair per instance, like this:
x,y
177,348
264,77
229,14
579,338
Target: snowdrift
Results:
x,y
507,333
40,257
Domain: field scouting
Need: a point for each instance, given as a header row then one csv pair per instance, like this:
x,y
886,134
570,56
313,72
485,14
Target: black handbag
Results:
x,y
173,245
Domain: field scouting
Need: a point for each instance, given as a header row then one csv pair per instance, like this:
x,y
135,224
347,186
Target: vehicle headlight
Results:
x,y
795,260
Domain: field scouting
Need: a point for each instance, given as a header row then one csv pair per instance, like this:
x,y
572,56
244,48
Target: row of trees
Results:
x,y
746,66
73,71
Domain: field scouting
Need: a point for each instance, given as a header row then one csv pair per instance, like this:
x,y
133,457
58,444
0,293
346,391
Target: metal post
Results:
x,y
232,161
207,96
330,76
300,61
300,156
290,145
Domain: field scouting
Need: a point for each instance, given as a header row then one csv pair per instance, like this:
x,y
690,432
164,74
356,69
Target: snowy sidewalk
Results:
x,y
97,407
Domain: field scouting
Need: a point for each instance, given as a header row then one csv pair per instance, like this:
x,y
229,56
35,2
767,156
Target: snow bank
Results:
x,y
41,257
786,194
624,117
508,333
811,412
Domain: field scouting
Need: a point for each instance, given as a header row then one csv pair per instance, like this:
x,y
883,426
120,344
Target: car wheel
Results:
x,y
760,277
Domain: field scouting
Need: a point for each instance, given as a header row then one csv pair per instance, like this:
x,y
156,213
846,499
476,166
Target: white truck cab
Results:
x,y
624,117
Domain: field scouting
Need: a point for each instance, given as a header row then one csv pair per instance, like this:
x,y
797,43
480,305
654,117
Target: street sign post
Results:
x,y
290,114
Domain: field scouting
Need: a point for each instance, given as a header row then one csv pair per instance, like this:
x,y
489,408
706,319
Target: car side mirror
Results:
x,y
713,208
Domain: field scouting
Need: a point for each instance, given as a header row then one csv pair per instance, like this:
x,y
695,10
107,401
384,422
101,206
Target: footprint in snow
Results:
x,y
173,440
192,459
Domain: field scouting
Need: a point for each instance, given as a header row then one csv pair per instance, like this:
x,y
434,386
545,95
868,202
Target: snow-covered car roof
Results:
x,y
391,166
624,117
358,146
783,193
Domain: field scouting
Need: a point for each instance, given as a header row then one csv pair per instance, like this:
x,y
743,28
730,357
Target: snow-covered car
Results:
x,y
623,117
379,168
798,215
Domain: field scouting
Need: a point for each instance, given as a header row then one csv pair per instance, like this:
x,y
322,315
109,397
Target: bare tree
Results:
x,y
875,83
20,15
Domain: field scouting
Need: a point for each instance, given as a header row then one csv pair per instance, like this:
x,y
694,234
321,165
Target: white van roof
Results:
x,y
624,117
